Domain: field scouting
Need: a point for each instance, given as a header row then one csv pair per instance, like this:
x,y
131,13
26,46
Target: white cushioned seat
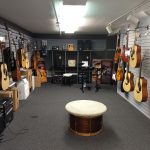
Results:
x,y
67,74
86,108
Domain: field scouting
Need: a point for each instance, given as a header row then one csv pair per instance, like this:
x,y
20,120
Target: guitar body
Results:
x,y
16,74
128,83
27,60
119,74
4,76
21,57
141,94
43,75
135,57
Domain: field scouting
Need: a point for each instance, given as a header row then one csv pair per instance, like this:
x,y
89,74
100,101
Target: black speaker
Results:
x,y
6,106
80,45
88,45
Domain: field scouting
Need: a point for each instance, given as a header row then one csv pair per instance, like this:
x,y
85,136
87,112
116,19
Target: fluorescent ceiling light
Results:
x,y
70,17
74,2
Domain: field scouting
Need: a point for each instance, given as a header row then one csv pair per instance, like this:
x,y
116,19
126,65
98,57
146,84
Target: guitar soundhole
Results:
x,y
132,58
138,91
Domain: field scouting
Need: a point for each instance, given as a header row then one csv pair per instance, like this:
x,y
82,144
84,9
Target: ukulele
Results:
x,y
135,57
140,90
128,83
118,50
16,74
4,77
21,53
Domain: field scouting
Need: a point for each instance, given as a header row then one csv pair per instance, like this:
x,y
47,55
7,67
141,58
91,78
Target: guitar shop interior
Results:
x,y
75,74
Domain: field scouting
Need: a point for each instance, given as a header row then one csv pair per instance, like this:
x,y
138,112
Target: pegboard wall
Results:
x,y
144,42
15,35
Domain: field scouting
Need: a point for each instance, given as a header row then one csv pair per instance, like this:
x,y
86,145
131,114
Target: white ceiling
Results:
x,y
38,16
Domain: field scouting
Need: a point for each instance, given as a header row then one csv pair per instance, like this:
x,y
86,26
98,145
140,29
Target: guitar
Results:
x,y
16,74
119,74
135,57
8,53
26,58
21,54
4,77
140,90
43,75
118,50
128,83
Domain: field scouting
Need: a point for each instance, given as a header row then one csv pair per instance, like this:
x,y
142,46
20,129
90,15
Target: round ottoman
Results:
x,y
86,116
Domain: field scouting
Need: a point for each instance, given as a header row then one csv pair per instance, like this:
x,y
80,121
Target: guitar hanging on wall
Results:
x,y
119,73
16,74
8,53
135,56
118,50
4,76
140,90
21,53
128,83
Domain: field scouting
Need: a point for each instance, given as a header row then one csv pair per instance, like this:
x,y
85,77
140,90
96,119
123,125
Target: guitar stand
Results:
x,y
97,86
84,81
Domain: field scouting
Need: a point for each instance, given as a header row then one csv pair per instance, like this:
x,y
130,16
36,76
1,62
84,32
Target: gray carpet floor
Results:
x,y
41,123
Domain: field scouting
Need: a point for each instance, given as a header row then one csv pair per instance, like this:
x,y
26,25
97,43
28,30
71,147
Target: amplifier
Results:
x,y
6,106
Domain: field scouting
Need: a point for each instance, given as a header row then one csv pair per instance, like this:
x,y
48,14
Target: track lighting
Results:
x,y
134,20
109,29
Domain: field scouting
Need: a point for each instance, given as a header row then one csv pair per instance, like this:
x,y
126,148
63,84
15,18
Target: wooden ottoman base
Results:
x,y
86,126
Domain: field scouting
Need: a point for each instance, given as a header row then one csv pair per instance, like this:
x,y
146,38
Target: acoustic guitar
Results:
x,y
140,90
26,58
4,76
21,53
119,73
128,83
135,56
16,74
118,50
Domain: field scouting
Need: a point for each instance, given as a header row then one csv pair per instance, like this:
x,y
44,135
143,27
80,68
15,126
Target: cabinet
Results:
x,y
69,62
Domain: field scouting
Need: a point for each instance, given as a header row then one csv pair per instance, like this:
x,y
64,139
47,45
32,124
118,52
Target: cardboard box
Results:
x,y
37,81
15,97
6,94
28,74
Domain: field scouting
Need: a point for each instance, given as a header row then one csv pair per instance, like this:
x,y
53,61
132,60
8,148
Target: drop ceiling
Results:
x,y
38,16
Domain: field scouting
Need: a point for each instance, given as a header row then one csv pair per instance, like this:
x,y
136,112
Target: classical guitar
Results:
x,y
140,90
135,56
16,74
118,50
128,83
21,53
119,73
4,76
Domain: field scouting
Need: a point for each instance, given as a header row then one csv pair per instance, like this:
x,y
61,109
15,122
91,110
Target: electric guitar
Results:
x,y
128,83
135,57
140,90
4,76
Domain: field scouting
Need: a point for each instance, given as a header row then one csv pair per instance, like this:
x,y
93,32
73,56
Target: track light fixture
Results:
x,y
134,20
109,29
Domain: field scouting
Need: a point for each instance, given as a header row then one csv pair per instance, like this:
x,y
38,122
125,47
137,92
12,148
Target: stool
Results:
x,y
67,78
86,116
